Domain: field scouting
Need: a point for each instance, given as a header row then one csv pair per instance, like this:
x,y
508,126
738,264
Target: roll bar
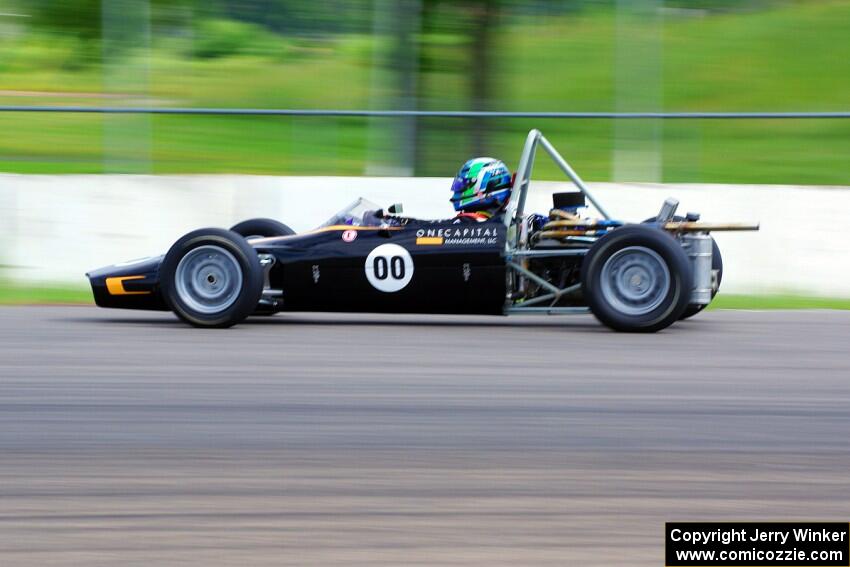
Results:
x,y
519,191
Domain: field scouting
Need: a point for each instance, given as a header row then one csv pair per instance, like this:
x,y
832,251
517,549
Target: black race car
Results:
x,y
640,277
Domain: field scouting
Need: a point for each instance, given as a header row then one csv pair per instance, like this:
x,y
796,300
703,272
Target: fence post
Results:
x,y
126,138
637,148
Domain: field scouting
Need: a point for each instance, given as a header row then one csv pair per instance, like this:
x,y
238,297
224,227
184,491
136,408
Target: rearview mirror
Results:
x,y
395,209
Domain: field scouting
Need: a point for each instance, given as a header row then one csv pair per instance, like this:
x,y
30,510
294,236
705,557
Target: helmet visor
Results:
x,y
462,185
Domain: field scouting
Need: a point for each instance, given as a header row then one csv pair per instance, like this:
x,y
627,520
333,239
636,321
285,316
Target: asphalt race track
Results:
x,y
130,439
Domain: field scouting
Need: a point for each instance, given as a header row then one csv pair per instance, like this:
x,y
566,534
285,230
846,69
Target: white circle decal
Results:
x,y
389,268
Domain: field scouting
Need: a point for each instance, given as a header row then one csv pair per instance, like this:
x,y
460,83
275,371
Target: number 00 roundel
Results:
x,y
389,268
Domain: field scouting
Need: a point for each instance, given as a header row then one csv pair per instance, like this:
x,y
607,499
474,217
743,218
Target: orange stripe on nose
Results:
x,y
115,286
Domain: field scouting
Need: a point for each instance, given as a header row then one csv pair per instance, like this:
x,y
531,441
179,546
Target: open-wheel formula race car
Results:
x,y
632,277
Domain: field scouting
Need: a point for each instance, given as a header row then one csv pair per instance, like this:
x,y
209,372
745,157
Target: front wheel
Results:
x,y
636,279
212,278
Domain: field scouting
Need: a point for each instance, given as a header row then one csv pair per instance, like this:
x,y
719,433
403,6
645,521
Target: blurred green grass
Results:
x,y
33,294
787,301
792,57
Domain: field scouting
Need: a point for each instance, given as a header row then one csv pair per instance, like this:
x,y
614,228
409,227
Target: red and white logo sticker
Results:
x,y
349,235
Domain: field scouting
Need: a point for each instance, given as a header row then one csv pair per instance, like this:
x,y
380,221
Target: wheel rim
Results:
x,y
635,280
208,279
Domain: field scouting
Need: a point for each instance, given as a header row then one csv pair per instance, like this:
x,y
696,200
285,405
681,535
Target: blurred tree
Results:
x,y
81,18
298,16
484,19
720,5
84,18
475,22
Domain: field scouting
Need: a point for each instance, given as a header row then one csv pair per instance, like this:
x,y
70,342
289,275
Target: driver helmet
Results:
x,y
482,183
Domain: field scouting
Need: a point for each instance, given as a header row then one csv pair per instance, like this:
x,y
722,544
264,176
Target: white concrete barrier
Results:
x,y
54,228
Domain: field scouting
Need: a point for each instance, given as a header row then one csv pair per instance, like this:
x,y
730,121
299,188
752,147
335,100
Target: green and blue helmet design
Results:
x,y
482,183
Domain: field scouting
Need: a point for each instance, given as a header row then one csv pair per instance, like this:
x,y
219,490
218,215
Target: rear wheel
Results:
x,y
636,279
261,228
211,278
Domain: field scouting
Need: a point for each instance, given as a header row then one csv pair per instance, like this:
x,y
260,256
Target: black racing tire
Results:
x,y
716,265
261,228
649,255
211,278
